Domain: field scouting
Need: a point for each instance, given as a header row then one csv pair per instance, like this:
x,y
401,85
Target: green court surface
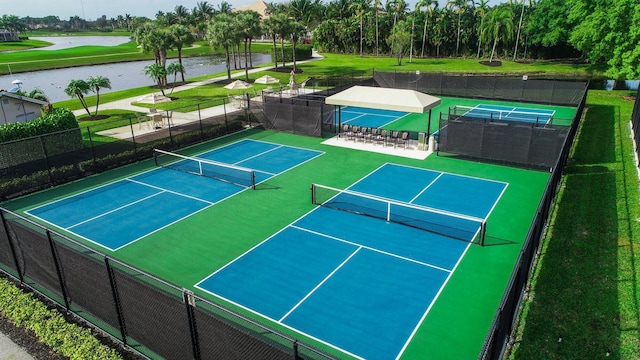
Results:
x,y
417,122
195,247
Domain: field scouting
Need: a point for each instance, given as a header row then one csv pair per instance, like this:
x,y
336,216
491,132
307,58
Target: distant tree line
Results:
x,y
604,32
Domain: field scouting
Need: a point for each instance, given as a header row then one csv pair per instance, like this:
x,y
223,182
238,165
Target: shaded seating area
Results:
x,y
375,136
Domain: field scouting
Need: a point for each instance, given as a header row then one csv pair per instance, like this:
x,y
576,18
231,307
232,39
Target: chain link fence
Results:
x,y
36,163
146,314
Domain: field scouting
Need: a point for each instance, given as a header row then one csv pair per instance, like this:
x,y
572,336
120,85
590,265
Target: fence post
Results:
x,y
46,158
296,356
93,150
133,137
13,250
116,300
190,303
58,270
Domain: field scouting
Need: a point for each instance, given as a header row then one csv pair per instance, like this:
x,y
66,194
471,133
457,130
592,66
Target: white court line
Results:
x,y
116,209
319,285
426,187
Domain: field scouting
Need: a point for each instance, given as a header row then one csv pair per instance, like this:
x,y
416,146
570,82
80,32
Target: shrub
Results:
x,y
53,121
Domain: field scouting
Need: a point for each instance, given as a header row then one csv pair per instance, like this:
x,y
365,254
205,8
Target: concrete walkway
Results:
x,y
10,350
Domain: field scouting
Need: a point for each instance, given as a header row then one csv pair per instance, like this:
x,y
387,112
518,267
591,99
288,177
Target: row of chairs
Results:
x,y
375,136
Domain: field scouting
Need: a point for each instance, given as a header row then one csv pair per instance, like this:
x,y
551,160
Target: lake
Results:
x,y
123,76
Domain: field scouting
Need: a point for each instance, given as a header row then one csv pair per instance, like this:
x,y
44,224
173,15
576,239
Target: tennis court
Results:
x,y
142,204
367,117
506,113
360,273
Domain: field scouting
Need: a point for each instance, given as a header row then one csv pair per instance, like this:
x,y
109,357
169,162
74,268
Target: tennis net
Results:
x,y
449,224
542,117
219,171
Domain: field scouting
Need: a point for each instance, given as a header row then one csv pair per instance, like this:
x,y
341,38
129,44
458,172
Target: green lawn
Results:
x,y
585,285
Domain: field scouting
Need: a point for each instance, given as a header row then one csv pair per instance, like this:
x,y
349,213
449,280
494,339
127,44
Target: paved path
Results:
x,y
9,350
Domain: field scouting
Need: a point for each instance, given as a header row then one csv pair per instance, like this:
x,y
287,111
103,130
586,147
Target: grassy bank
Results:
x,y
584,300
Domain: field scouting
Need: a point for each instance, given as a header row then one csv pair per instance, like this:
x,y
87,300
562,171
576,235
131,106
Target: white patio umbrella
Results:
x,y
238,85
266,79
153,99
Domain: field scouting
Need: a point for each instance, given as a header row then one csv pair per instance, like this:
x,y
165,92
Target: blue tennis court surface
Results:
x,y
373,118
358,283
124,211
509,113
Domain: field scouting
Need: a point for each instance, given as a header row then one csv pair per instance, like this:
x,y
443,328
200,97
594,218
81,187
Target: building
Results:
x,y
259,6
17,108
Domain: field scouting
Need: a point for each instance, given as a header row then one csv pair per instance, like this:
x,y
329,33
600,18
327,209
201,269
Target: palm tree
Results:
x,y
182,14
360,8
481,9
181,37
500,27
175,68
376,8
96,83
271,27
78,88
38,94
296,31
284,31
515,51
429,6
460,7
158,73
220,32
248,23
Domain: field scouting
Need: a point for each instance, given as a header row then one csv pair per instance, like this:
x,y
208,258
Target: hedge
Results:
x,y
53,121
303,52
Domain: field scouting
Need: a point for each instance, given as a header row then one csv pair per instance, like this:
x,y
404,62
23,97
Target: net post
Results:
x,y
483,232
313,194
253,180
155,157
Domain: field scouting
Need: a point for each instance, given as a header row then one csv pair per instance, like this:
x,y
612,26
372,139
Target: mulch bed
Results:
x,y
494,63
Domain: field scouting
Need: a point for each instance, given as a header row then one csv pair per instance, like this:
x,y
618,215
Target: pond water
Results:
x,y
65,42
123,76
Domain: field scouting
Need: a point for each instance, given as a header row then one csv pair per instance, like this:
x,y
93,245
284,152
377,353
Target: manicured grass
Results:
x,y
584,288
22,45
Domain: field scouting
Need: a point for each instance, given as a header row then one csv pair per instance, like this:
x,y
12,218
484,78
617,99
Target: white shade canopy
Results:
x,y
384,99
267,79
238,84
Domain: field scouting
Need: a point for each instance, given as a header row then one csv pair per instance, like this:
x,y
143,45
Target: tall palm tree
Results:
x,y
284,31
296,31
360,8
459,6
78,88
271,27
429,6
515,51
481,9
220,32
96,83
499,27
181,37
376,8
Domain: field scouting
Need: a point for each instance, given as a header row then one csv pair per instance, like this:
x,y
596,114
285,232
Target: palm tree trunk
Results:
x,y
97,101
282,50
424,36
377,34
413,25
180,62
246,67
275,60
493,50
360,35
515,51
458,37
480,37
250,55
226,51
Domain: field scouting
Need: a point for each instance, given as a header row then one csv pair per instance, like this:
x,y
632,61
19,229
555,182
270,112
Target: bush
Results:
x,y
303,52
50,326
53,121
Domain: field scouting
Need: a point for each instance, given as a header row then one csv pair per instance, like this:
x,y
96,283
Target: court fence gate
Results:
x,y
144,313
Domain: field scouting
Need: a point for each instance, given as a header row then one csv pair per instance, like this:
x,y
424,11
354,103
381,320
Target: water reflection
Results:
x,y
123,76
65,42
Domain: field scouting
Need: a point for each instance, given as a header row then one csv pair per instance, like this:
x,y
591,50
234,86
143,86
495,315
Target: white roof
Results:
x,y
385,99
